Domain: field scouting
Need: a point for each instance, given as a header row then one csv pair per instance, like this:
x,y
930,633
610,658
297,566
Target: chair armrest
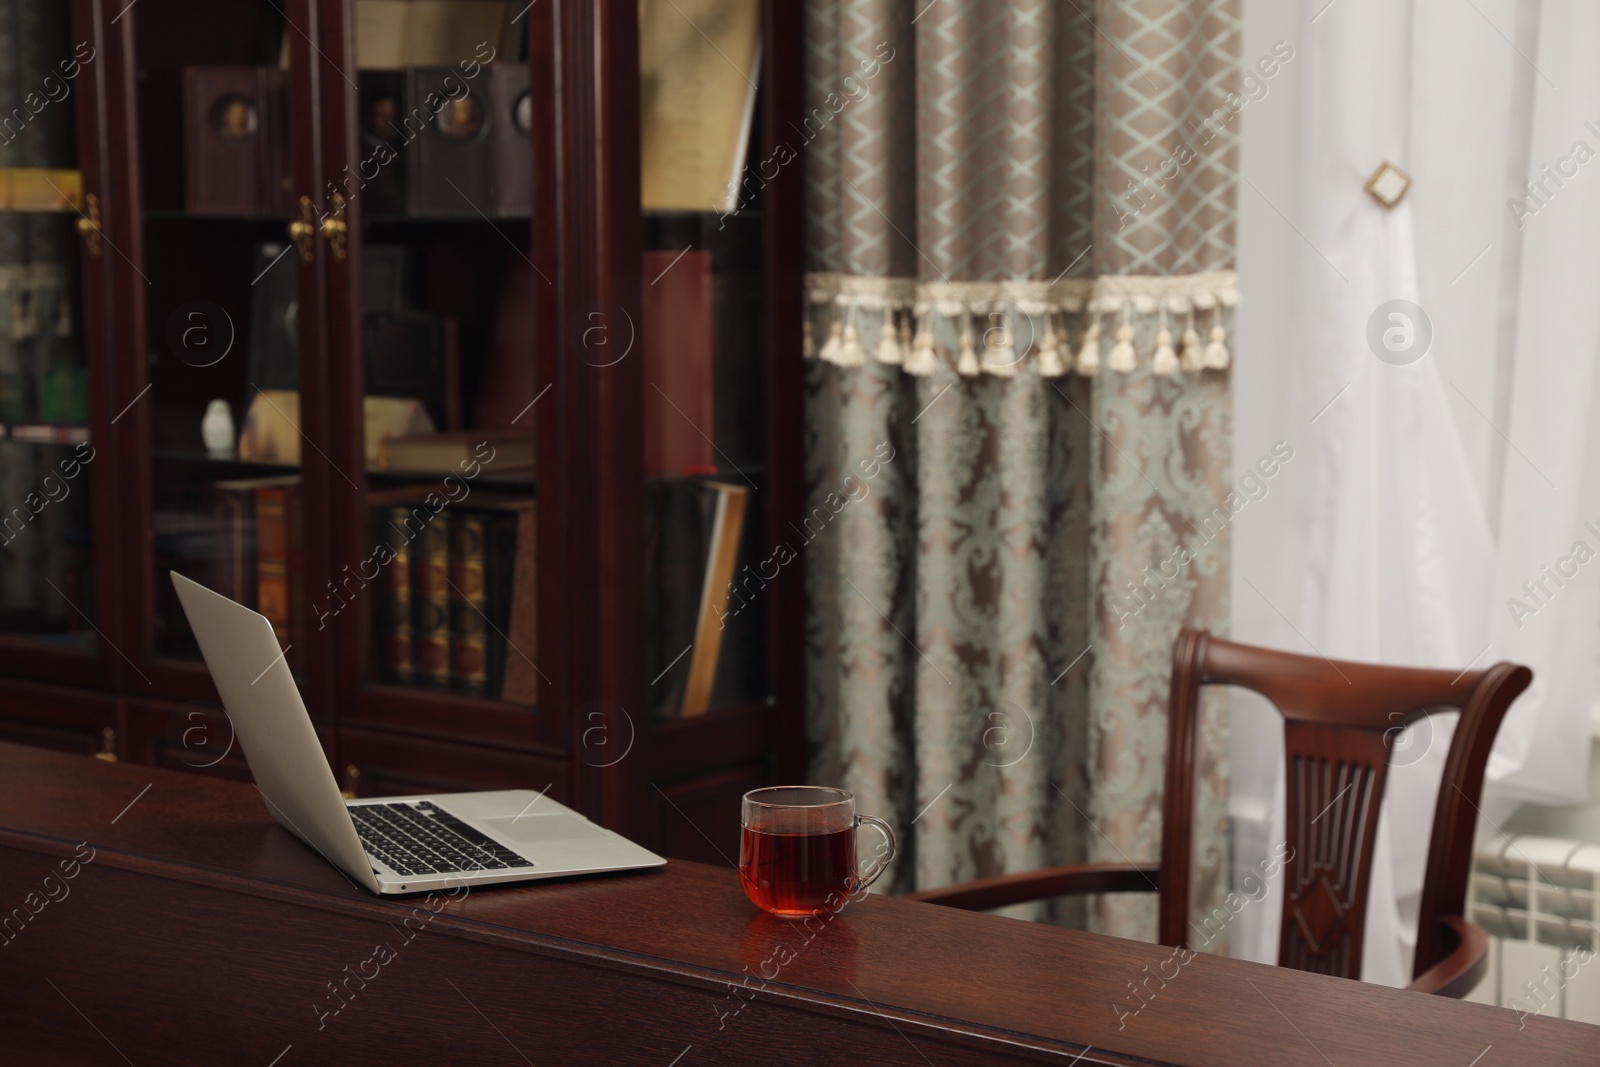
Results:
x,y
1004,889
1461,970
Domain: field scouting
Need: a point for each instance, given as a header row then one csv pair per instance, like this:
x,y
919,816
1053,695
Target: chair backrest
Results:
x,y
1340,721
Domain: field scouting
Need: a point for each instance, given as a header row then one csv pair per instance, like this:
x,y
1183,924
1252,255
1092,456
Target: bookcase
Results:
x,y
416,282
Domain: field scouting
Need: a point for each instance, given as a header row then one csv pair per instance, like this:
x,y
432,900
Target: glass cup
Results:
x,y
797,849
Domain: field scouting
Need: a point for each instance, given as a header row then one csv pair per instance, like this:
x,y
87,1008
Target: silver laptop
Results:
x,y
396,845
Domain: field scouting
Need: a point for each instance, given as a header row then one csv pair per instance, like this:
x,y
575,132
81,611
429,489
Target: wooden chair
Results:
x,y
1338,720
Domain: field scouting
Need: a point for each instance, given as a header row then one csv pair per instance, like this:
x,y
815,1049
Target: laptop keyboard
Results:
x,y
419,837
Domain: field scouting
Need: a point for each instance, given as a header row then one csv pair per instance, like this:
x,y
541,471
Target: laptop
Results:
x,y
389,845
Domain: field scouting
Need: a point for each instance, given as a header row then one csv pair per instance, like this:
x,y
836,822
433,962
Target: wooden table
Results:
x,y
200,933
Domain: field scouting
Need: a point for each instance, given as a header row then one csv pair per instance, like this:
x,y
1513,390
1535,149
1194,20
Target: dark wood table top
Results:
x,y
917,967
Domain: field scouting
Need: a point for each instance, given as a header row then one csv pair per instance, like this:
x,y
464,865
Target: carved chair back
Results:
x,y
1340,724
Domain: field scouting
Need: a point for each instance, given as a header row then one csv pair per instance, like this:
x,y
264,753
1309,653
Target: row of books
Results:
x,y
459,607
435,142
454,593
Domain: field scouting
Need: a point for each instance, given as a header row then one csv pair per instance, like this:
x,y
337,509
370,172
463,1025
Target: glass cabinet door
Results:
x,y
432,389
702,341
220,263
49,568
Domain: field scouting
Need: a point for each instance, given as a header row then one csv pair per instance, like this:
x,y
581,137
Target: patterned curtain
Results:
x,y
1020,224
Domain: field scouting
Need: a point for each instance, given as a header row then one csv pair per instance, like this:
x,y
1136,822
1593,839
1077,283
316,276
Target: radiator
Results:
x,y
1539,900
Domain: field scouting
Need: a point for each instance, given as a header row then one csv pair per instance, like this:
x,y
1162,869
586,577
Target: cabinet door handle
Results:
x,y
89,225
108,745
335,228
352,782
302,230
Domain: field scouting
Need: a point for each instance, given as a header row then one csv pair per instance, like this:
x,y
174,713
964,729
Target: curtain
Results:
x,y
1020,238
1433,491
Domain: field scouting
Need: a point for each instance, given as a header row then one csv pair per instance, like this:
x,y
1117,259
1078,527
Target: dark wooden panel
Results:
x,y
68,720
685,747
395,765
783,82
700,816
194,736
584,64
27,1047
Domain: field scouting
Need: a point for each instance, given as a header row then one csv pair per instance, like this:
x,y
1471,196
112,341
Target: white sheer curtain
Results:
x,y
1422,497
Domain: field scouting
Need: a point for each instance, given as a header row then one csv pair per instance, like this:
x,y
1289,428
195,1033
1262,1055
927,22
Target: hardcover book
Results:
x,y
409,33
704,645
699,62
679,365
511,138
431,595
450,164
233,554
397,652
494,450
280,565
482,555
236,141
381,128
521,677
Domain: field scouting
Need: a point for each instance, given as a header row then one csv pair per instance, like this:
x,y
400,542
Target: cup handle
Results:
x,y
884,860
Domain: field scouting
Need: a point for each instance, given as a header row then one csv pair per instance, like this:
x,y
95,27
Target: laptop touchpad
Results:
x,y
538,829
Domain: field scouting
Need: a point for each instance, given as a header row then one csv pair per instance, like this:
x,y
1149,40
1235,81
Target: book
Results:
x,y
721,558
271,431
431,598
236,141
433,33
482,555
382,171
679,364
280,561
511,139
694,534
444,453
520,683
232,506
450,166
699,63
396,649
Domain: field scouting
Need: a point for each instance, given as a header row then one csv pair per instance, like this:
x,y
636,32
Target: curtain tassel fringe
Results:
x,y
967,363
1000,357
830,348
1217,356
1193,357
851,354
923,363
1165,361
1089,352
1124,360
1050,365
888,347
